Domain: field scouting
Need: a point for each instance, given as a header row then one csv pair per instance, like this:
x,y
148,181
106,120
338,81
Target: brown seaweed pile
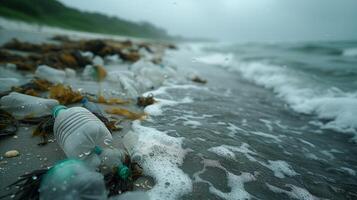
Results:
x,y
67,54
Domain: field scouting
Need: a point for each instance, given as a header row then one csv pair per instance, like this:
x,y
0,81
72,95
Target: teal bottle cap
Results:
x,y
56,110
97,150
123,172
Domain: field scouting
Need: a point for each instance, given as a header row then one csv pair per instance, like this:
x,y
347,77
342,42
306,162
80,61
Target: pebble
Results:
x,y
12,153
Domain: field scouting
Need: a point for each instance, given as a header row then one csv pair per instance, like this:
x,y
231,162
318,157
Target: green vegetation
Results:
x,y
54,13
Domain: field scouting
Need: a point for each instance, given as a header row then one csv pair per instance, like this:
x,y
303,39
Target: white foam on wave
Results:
x,y
161,155
295,192
266,135
308,143
331,104
237,187
156,108
216,59
223,151
280,168
351,52
192,123
226,151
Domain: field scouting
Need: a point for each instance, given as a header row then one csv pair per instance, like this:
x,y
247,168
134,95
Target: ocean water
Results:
x,y
274,121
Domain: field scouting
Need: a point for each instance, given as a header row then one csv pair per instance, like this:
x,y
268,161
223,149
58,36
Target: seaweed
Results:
x,y
146,101
199,80
111,101
27,186
64,94
8,124
126,113
33,88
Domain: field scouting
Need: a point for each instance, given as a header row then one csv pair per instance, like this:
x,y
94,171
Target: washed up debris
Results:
x,y
130,56
197,79
8,124
100,73
64,94
57,182
116,185
69,54
44,182
100,114
74,180
146,101
89,147
171,46
25,106
33,88
50,74
15,44
64,59
61,38
111,101
126,113
27,186
12,153
43,129
94,72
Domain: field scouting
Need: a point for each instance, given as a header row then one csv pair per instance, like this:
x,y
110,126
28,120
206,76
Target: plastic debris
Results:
x,y
197,79
24,106
126,113
70,73
68,175
7,83
94,72
72,179
65,94
146,101
100,73
50,74
99,112
92,107
12,153
90,142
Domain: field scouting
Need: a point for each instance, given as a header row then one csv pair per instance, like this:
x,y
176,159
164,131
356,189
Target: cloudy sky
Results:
x,y
238,20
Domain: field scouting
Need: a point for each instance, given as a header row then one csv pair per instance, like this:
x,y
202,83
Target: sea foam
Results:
x,y
333,105
161,155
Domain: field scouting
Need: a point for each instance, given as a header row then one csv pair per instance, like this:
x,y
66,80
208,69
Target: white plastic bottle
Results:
x,y
83,136
22,105
50,74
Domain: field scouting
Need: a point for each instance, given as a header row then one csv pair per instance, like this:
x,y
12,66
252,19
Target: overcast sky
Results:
x,y
238,20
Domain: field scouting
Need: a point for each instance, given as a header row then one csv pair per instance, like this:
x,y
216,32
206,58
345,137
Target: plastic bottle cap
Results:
x,y
123,172
84,100
56,109
97,150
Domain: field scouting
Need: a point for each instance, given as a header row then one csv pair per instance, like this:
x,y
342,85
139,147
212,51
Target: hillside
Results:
x,y
54,13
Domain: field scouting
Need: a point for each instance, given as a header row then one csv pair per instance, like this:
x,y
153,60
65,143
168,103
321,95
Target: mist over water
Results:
x,y
238,20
